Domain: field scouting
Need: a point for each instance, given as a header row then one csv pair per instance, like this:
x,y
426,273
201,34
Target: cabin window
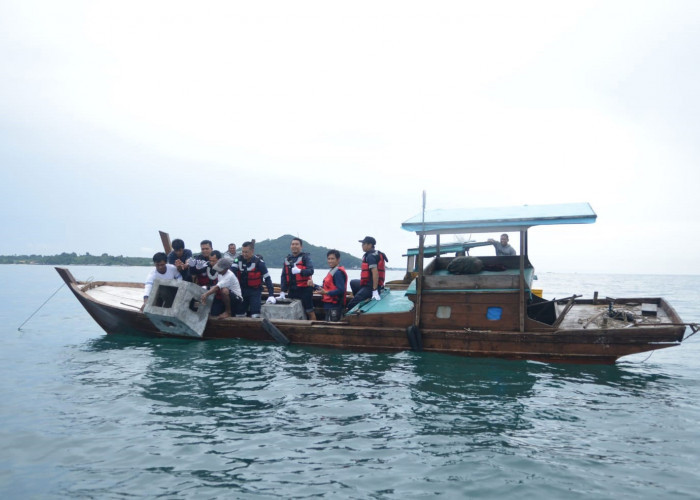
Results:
x,y
494,313
165,296
443,312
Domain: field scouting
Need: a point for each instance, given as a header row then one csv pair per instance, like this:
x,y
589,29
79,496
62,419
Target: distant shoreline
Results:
x,y
68,259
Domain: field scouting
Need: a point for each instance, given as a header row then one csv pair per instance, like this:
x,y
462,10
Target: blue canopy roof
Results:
x,y
486,220
429,251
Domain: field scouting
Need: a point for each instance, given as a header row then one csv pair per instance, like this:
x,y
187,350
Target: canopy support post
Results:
x,y
419,280
523,251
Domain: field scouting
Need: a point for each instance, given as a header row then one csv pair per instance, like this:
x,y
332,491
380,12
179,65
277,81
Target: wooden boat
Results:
x,y
493,313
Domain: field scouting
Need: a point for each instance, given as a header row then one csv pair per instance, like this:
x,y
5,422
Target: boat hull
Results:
x,y
389,332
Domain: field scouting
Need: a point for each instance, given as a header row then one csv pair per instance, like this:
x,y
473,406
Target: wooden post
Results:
x,y
165,239
523,250
419,280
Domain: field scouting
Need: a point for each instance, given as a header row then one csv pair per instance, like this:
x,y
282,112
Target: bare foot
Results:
x,y
222,316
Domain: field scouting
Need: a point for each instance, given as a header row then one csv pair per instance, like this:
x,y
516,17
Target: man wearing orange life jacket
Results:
x,y
296,277
251,272
334,287
371,280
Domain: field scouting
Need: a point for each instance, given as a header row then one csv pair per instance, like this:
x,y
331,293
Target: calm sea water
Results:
x,y
84,415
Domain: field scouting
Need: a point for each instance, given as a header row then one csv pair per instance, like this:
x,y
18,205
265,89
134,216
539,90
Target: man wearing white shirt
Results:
x,y
162,271
229,286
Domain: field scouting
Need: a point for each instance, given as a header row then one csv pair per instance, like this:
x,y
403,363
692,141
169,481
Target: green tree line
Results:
x,y
73,259
273,252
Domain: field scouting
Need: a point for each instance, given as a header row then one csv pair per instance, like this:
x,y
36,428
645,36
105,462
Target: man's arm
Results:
x,y
375,278
266,277
309,266
283,279
209,292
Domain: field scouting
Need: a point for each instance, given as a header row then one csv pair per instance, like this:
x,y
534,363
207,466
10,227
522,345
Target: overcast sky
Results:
x,y
238,120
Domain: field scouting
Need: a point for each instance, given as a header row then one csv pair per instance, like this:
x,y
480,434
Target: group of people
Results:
x,y
236,280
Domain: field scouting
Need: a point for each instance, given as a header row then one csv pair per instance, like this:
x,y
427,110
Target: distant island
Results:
x,y
73,259
273,252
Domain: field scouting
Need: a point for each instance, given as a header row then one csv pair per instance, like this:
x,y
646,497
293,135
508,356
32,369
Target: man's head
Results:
x,y
504,239
178,247
222,265
333,258
160,260
214,257
232,248
368,243
296,246
247,250
205,246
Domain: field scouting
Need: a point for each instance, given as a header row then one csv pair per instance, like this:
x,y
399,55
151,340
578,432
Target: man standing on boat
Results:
x,y
251,272
227,287
371,280
334,287
179,257
296,278
162,271
199,265
231,252
502,247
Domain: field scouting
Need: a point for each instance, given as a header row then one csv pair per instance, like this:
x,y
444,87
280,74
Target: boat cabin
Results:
x,y
498,297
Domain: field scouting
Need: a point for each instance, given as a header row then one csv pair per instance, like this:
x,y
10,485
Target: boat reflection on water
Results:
x,y
261,386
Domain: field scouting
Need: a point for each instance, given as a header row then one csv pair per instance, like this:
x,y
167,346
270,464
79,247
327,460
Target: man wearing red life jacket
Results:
x,y
251,272
334,287
200,269
371,280
296,277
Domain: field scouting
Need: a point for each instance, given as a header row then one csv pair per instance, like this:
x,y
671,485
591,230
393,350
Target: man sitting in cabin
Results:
x,y
231,252
502,248
162,271
179,257
251,272
334,287
372,273
198,265
296,277
227,286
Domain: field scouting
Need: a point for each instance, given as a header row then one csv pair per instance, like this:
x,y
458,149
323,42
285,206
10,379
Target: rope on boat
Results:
x,y
19,328
694,327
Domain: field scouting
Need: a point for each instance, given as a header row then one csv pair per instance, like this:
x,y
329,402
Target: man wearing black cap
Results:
x,y
371,280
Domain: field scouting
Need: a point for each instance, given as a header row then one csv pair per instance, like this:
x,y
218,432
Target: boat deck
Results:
x,y
393,301
124,297
594,316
